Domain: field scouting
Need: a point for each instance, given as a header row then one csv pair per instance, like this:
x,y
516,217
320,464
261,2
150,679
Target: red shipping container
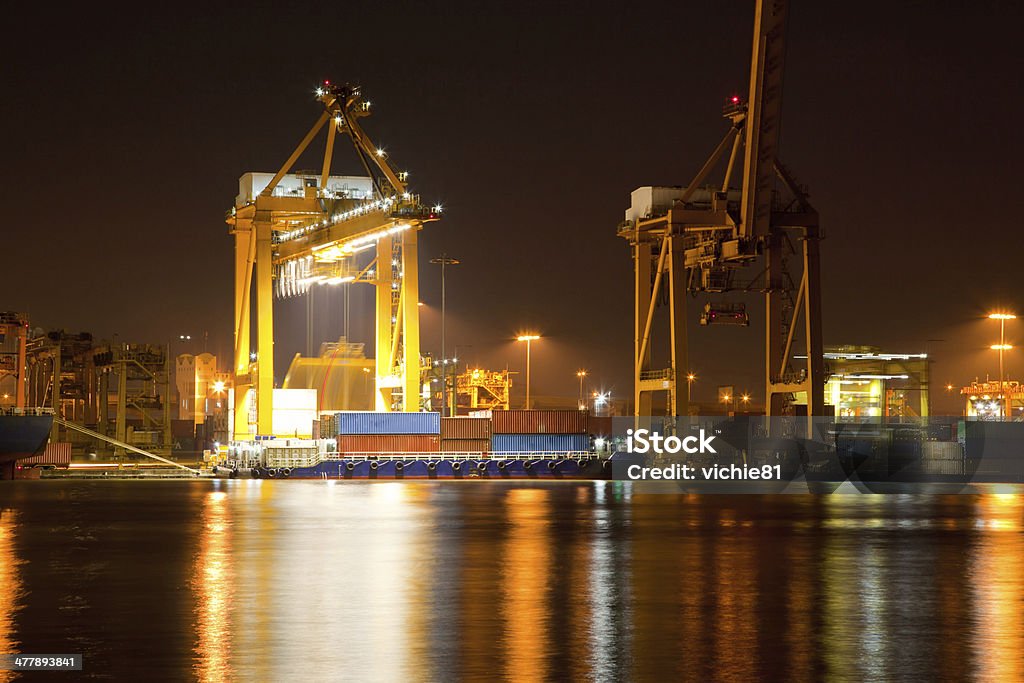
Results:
x,y
539,421
389,443
465,428
465,445
56,453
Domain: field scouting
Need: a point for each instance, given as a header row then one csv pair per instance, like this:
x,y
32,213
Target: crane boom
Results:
x,y
764,110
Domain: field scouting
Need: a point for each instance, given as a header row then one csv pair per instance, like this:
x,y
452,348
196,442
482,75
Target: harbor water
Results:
x,y
519,580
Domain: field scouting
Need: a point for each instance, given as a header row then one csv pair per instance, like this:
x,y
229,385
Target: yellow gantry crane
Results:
x,y
299,231
708,236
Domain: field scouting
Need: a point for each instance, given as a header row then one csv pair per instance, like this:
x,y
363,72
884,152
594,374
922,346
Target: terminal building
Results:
x,y
985,400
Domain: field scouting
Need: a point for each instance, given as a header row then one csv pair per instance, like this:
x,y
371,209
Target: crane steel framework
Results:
x,y
706,241
300,241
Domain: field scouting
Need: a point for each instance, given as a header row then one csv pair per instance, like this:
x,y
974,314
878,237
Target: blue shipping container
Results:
x,y
362,422
539,442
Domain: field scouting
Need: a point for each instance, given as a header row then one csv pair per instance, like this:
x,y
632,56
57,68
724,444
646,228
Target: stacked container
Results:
x,y
465,434
558,431
370,432
328,426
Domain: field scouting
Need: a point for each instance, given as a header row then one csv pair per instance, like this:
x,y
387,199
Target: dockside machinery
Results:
x,y
708,238
294,231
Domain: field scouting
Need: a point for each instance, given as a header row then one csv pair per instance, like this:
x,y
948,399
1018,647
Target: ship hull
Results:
x,y
21,436
434,468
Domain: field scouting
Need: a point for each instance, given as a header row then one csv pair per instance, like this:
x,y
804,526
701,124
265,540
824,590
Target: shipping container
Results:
x,y
465,445
465,428
291,456
942,450
389,443
57,453
539,421
364,422
539,442
328,427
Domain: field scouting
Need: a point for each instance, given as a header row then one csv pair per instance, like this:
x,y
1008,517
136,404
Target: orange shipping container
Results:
x,y
539,421
465,428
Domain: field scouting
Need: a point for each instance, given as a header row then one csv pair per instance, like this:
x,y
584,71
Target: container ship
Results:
x,y
24,433
509,444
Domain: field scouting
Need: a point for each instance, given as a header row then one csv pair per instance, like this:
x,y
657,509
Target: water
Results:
x,y
272,581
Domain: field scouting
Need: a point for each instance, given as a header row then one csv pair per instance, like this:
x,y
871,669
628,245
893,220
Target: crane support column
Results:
x,y
410,323
244,256
812,317
642,355
264,328
385,361
679,401
776,363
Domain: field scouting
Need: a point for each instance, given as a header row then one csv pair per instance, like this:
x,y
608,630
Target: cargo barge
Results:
x,y
515,444
533,465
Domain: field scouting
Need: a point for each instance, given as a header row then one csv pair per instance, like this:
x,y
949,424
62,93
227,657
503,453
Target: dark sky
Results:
x,y
124,134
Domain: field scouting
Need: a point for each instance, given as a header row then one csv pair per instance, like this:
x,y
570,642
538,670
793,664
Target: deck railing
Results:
x,y
26,411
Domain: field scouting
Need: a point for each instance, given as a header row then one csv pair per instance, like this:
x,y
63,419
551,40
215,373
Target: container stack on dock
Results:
x,y
465,434
370,433
558,431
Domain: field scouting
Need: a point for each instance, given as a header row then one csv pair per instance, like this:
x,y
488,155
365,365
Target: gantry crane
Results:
x,y
300,238
709,238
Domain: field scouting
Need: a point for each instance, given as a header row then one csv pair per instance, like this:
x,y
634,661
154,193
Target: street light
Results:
x,y
528,338
1001,347
581,374
444,262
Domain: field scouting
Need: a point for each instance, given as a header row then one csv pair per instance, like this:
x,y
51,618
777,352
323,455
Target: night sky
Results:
x,y
124,135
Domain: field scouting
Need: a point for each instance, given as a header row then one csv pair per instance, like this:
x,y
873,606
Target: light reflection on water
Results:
x,y
213,582
10,587
428,581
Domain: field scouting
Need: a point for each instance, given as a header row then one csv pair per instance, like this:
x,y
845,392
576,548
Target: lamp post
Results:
x,y
601,400
528,338
1001,347
444,262
581,374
